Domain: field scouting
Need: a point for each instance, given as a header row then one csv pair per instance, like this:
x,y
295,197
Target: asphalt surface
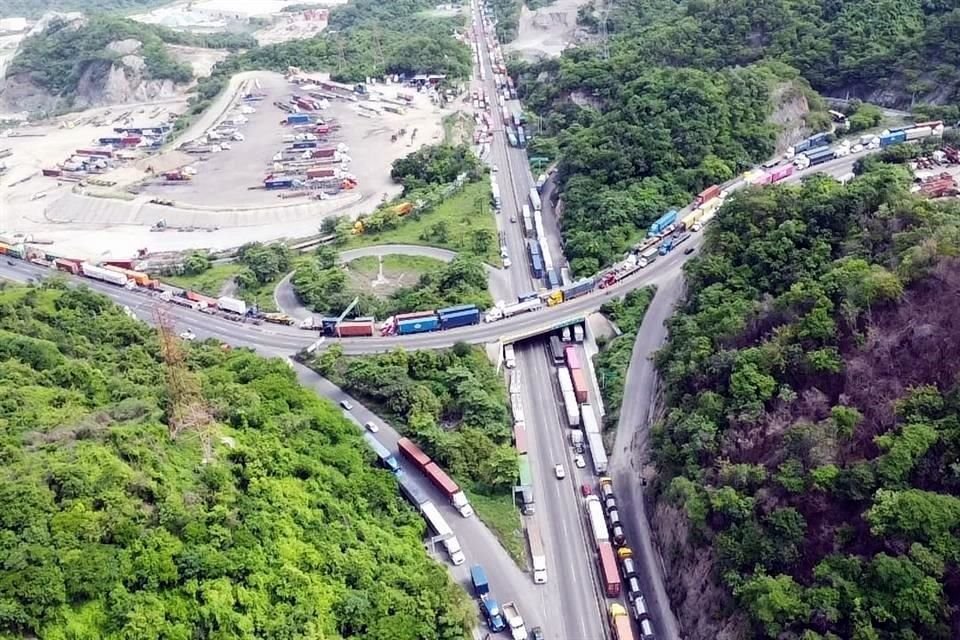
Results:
x,y
630,453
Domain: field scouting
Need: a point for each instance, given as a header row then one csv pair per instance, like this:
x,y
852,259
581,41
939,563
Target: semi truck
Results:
x,y
598,524
441,480
609,575
597,452
488,605
386,459
514,620
525,488
661,224
535,199
444,534
233,305
620,626
537,557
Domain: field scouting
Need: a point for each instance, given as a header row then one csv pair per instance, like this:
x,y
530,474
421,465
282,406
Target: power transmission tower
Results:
x,y
378,59
604,45
187,410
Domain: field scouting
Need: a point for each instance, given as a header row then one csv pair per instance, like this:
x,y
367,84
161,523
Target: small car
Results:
x,y
688,251
506,263
579,462
346,404
188,335
586,490
512,219
371,427
536,633
559,472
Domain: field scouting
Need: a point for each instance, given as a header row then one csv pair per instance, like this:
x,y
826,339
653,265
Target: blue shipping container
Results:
x,y
411,491
418,325
820,158
893,138
536,265
552,280
298,118
460,318
533,247
456,309
528,296
579,288
277,184
479,579
305,144
663,222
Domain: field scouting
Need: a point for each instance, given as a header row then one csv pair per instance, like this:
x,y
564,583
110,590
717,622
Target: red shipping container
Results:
x,y
323,153
415,314
441,480
708,194
413,453
321,173
608,569
69,266
52,172
198,297
579,384
355,329
520,438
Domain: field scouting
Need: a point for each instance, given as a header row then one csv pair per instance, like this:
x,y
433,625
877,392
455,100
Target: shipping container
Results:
x,y
589,419
580,388
609,576
62,264
520,438
597,452
233,305
893,138
414,314
356,328
820,156
556,349
523,467
779,173
535,201
570,354
620,626
598,524
564,380
537,557
321,173
917,132
572,408
664,221
411,491
418,325
579,288
707,194
413,453
106,275
139,277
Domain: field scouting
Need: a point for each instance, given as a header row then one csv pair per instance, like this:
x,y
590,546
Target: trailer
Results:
x,y
102,274
598,524
620,626
537,556
410,491
572,408
233,305
573,360
609,575
580,389
443,532
597,452
535,202
386,459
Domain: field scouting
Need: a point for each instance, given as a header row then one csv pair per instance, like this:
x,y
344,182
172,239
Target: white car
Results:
x,y
188,335
559,472
506,263
579,462
372,427
346,404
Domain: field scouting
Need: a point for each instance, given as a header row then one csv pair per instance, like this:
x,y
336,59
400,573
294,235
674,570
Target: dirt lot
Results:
x,y
547,31
382,275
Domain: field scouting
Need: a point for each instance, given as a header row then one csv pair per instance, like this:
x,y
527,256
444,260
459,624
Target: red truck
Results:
x,y
579,384
520,437
609,574
437,476
707,194
70,266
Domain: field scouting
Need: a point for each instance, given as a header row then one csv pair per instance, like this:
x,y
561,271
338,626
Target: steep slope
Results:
x,y
808,482
111,529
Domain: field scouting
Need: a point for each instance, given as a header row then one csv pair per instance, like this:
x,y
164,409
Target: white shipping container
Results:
x,y
106,275
918,132
516,407
232,304
572,409
597,452
589,419
598,524
515,381
564,379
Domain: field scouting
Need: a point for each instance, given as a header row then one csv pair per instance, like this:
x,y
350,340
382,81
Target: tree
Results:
x,y
195,263
480,241
775,601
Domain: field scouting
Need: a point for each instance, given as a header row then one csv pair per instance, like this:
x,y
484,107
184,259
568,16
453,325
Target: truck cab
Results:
x,y
492,613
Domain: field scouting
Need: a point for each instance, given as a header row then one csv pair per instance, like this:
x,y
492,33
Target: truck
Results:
x,y
488,605
444,534
514,620
495,193
535,202
386,459
520,438
499,312
527,218
589,419
536,260
620,626
537,557
459,316
597,452
99,273
628,566
441,480
669,244
709,193
598,524
478,578
512,137
647,257
576,440
573,360
609,575
579,384
410,491
893,138
572,408
233,305
660,224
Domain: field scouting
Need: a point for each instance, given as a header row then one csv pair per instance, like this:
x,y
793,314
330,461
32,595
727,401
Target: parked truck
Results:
x,y
620,626
444,534
233,305
537,557
598,524
609,575
514,620
441,480
488,605
664,221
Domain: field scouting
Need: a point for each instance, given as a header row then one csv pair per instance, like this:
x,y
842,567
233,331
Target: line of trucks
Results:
x,y
618,570
498,617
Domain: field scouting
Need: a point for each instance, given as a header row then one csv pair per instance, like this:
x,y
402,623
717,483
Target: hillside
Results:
x,y
808,481
101,60
111,529
36,8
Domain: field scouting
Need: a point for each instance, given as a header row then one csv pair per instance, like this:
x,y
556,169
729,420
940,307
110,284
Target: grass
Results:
x,y
398,270
210,282
501,515
463,213
458,128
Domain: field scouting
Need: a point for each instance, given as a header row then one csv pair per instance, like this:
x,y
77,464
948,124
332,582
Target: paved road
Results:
x,y
630,451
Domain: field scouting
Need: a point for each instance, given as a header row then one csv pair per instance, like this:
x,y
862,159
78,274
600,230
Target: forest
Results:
x,y
36,8
111,528
813,411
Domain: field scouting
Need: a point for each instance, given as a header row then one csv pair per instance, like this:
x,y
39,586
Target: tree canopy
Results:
x,y
810,436
111,529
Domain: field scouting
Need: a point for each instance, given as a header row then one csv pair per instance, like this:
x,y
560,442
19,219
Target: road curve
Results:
x,y
630,450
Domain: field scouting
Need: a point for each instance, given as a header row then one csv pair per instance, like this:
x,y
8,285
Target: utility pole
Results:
x,y
604,45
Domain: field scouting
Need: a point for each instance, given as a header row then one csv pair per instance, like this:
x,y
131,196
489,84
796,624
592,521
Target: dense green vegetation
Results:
x,y
57,58
36,8
614,357
111,529
323,285
813,408
453,404
435,165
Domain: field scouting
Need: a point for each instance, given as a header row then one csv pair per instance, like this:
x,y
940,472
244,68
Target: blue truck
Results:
x,y
579,288
459,316
536,260
305,144
812,142
663,222
822,155
488,605
387,459
418,325
669,244
278,184
298,118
